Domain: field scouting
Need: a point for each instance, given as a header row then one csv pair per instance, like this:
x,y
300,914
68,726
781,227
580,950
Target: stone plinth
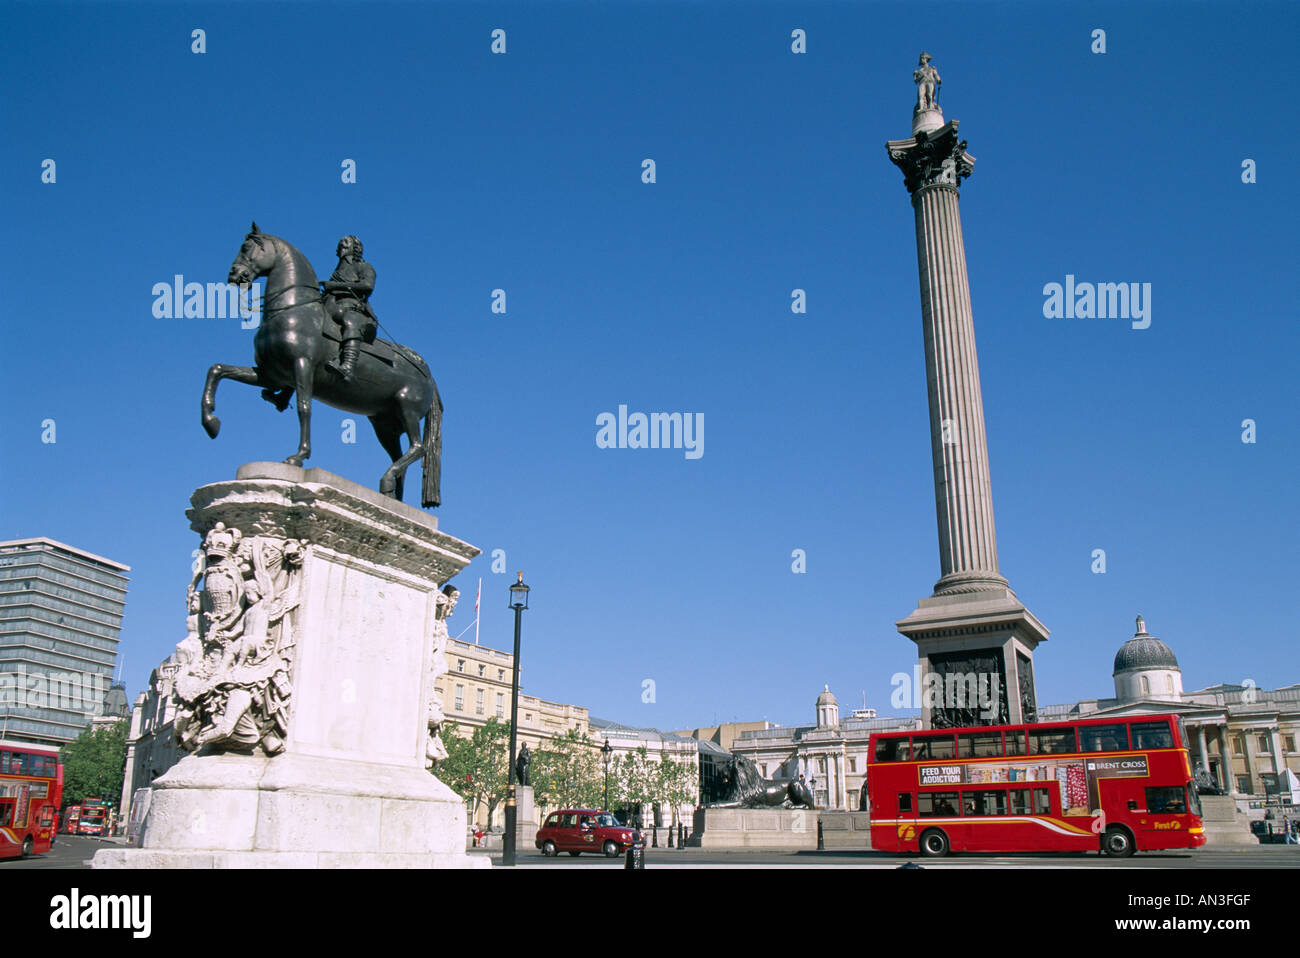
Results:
x,y
987,635
846,829
334,774
785,828
525,814
1225,825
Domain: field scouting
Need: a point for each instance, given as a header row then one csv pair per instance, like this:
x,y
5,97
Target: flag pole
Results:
x,y
476,605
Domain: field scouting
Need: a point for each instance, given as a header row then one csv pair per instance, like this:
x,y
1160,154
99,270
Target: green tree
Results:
x,y
567,772
677,784
632,778
94,763
478,767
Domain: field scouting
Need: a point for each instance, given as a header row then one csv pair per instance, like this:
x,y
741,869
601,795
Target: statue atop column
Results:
x,y
927,82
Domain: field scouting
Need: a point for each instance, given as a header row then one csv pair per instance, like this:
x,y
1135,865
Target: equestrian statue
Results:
x,y
320,344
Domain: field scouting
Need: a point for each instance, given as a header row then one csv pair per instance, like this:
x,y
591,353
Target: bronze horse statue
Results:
x,y
751,790
295,340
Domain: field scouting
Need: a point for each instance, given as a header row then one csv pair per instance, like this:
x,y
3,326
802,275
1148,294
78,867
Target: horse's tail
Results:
x,y
433,451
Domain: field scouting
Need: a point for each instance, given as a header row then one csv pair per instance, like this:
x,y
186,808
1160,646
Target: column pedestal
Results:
x,y
308,685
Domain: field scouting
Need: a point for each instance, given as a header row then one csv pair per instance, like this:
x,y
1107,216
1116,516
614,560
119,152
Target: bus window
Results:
x,y
1152,735
1057,741
904,803
1171,800
931,804
986,803
891,750
1016,742
1019,798
979,745
1103,738
6,814
1042,801
933,746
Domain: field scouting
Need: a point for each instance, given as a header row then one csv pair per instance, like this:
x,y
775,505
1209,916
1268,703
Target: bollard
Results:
x,y
654,834
821,842
681,834
635,856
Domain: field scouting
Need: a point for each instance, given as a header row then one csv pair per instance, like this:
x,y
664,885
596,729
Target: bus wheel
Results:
x,y
934,844
27,847
1117,843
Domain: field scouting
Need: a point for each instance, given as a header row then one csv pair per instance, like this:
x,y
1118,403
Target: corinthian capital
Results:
x,y
930,159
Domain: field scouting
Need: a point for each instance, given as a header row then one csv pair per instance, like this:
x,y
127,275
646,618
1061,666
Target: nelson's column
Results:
x,y
972,632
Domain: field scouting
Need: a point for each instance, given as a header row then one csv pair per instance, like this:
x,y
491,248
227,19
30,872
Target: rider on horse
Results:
x,y
347,294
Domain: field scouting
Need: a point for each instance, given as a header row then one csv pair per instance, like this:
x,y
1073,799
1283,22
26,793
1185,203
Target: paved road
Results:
x,y
69,851
1263,856
76,851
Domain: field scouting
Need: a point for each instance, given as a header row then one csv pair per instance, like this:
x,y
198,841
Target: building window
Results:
x,y
501,675
1239,744
1263,743
1288,742
853,764
1169,683
1243,784
460,698
478,702
1146,685
460,665
528,716
501,704
482,670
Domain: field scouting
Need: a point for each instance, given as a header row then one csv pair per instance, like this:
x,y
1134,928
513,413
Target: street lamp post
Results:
x,y
605,753
518,602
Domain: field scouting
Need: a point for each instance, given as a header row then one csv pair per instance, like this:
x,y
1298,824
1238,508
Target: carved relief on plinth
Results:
x,y
435,751
233,691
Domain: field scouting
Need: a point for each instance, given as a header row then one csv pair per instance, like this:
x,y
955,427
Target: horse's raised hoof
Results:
x,y
388,487
280,399
212,425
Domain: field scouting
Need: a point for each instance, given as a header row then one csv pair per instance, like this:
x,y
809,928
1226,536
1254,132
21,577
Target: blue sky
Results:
x,y
523,172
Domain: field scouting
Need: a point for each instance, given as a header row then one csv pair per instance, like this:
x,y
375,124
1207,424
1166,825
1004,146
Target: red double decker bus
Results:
x,y
1117,785
31,790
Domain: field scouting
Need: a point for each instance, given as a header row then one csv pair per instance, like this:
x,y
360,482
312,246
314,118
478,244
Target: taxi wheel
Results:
x,y
27,847
611,850
549,849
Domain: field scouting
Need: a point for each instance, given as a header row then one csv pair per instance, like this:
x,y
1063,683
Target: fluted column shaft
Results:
x,y
968,548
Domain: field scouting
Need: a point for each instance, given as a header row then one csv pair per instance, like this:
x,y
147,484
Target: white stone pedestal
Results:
x,y
784,828
349,786
525,818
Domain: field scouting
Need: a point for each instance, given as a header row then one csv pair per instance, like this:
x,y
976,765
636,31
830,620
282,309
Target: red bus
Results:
x,y
1117,785
31,789
94,817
